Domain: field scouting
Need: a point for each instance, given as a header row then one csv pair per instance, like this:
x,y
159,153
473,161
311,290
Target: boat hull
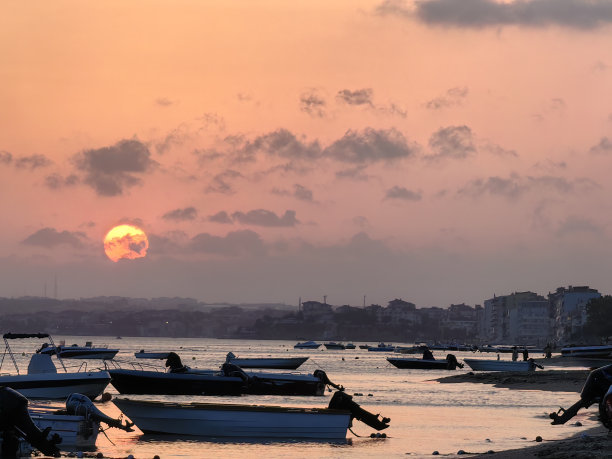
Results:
x,y
290,363
76,431
419,364
587,351
158,383
248,421
284,384
499,365
57,385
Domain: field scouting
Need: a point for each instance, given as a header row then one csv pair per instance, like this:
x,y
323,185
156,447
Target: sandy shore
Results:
x,y
553,380
594,443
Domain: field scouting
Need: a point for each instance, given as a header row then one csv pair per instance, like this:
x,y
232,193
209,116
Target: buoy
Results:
x,y
370,395
106,397
435,453
538,439
372,435
490,452
460,452
578,424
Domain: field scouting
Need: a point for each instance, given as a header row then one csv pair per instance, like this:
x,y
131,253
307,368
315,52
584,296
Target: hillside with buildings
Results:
x,y
522,318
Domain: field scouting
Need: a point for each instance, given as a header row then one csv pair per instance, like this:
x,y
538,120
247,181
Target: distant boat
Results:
x,y
382,347
307,345
249,421
450,363
278,363
333,345
151,355
501,365
586,351
349,346
79,352
364,346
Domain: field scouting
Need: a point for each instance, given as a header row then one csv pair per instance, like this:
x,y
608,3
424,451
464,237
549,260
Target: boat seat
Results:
x,y
41,363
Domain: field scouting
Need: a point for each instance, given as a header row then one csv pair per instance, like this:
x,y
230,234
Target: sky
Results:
x,y
438,151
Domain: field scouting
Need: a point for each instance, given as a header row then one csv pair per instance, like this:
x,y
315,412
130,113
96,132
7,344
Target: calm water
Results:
x,y
425,416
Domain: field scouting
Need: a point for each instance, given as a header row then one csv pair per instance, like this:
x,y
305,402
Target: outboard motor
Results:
x,y
325,380
229,369
452,362
15,422
343,401
174,362
80,405
596,389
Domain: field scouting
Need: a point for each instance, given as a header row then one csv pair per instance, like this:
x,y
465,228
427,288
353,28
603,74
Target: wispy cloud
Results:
x,y
181,215
371,146
604,147
452,142
313,103
452,98
403,194
356,97
263,217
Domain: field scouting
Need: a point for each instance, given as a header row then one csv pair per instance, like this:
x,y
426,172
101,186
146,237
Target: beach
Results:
x,y
593,443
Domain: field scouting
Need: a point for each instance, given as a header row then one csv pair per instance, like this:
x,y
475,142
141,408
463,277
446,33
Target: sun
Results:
x,y
125,241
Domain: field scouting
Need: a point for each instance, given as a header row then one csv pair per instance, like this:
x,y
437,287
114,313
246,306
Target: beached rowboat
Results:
x,y
248,421
500,365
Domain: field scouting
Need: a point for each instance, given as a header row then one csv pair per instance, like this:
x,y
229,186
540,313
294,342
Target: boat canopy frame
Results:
x,y
7,347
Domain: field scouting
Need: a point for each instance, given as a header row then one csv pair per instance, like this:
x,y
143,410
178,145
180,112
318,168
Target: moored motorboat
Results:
x,y
501,365
79,352
279,363
450,363
335,346
250,421
43,381
382,347
307,345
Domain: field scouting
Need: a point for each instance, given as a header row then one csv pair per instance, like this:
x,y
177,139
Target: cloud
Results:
x,y
497,150
111,170
299,192
452,98
164,102
220,217
574,14
604,147
57,181
312,103
242,242
357,97
5,157
281,143
176,137
181,215
262,217
515,186
50,237
354,173
574,224
453,142
361,221
221,182
371,146
32,162
401,193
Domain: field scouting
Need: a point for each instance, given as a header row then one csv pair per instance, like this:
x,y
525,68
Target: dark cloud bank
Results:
x,y
576,14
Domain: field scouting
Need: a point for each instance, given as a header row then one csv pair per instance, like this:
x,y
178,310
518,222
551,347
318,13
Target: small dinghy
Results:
x,y
249,421
450,363
276,363
501,365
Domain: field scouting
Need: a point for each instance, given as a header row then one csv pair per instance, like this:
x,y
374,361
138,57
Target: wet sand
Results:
x,y
594,443
553,380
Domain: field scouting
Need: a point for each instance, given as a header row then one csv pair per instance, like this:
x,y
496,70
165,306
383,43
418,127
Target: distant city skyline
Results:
x,y
271,150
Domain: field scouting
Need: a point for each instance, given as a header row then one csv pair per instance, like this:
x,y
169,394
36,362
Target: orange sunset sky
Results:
x,y
439,151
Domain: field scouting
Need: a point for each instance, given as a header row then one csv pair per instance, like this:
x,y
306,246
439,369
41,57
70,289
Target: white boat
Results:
x,y
43,381
279,363
586,351
79,352
501,365
307,345
248,421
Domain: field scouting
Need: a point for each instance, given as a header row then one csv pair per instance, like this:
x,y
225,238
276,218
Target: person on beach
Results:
x,y
514,353
548,351
427,354
525,354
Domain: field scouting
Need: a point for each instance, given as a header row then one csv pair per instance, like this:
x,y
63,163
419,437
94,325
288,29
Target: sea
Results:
x,y
427,418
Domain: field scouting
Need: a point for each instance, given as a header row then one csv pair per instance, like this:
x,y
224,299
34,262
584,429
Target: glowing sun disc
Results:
x,y
127,242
